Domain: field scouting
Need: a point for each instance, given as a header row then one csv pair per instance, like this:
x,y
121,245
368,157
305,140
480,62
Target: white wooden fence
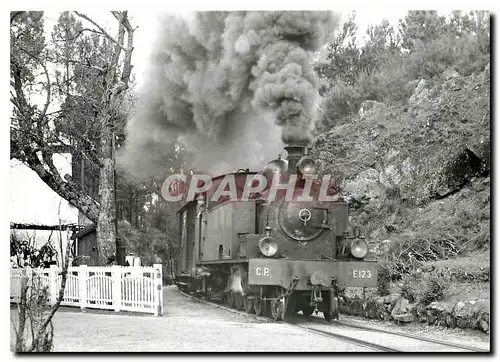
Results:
x,y
118,288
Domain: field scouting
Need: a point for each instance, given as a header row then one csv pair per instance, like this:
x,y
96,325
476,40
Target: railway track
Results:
x,y
359,335
363,343
425,339
403,341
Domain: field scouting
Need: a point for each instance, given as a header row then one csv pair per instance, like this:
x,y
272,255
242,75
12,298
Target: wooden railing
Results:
x,y
118,288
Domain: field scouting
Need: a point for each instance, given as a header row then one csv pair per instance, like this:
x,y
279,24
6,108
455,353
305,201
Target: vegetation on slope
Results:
x,y
405,129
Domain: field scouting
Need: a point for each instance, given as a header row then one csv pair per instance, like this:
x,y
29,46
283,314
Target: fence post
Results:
x,y
116,276
53,284
82,284
158,286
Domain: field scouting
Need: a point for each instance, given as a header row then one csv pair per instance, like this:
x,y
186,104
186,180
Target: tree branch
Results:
x,y
14,15
101,29
69,191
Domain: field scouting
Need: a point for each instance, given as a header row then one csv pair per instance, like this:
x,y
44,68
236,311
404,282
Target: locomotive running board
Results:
x,y
222,261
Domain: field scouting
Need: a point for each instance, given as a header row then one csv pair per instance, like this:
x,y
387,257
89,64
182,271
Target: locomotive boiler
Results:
x,y
283,249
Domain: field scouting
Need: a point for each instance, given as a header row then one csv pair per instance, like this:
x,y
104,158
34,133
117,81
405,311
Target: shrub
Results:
x,y
431,59
339,102
422,288
408,288
386,84
432,288
383,281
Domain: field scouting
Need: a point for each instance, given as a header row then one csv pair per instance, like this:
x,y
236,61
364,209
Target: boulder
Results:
x,y
420,102
405,318
400,308
479,146
484,326
392,298
411,85
450,74
392,175
364,187
368,107
469,314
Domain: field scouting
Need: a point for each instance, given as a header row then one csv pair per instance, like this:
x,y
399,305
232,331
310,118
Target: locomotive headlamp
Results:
x,y
268,246
307,166
359,248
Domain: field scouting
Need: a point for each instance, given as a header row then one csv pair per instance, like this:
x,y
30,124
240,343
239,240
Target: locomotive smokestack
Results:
x,y
295,152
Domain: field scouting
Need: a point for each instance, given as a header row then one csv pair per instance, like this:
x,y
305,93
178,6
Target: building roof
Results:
x,y
86,230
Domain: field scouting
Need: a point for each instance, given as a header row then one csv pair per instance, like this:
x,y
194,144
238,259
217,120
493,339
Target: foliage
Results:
x,y
156,235
424,46
440,230
408,288
340,101
43,79
433,289
423,288
23,248
386,84
342,57
383,280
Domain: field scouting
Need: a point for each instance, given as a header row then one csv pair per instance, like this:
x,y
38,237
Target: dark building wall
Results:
x,y
87,248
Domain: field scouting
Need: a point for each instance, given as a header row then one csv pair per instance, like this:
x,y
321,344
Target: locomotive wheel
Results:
x,y
239,301
277,310
259,306
248,305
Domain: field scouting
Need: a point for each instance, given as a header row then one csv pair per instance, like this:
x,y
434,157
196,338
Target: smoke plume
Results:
x,y
230,87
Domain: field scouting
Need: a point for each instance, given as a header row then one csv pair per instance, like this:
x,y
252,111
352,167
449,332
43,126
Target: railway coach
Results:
x,y
285,248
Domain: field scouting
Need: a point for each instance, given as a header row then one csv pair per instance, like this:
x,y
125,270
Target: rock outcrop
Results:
x,y
419,171
428,150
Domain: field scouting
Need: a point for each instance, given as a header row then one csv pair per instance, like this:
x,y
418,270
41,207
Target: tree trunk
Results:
x,y
112,100
106,226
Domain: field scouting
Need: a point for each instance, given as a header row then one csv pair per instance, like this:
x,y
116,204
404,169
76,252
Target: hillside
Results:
x,y
417,178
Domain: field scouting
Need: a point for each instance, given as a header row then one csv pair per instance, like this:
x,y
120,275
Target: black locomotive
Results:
x,y
277,252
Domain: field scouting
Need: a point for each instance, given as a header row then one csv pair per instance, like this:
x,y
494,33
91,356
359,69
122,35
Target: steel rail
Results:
x,y
406,335
357,341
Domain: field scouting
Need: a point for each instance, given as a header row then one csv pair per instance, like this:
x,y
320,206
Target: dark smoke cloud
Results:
x,y
229,86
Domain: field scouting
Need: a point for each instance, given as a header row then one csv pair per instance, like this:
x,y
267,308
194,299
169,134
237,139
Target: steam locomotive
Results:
x,y
280,251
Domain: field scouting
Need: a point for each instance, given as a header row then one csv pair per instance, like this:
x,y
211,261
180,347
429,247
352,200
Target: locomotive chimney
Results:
x,y
295,152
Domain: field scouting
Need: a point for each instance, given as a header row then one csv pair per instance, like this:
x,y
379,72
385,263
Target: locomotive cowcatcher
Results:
x,y
272,255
